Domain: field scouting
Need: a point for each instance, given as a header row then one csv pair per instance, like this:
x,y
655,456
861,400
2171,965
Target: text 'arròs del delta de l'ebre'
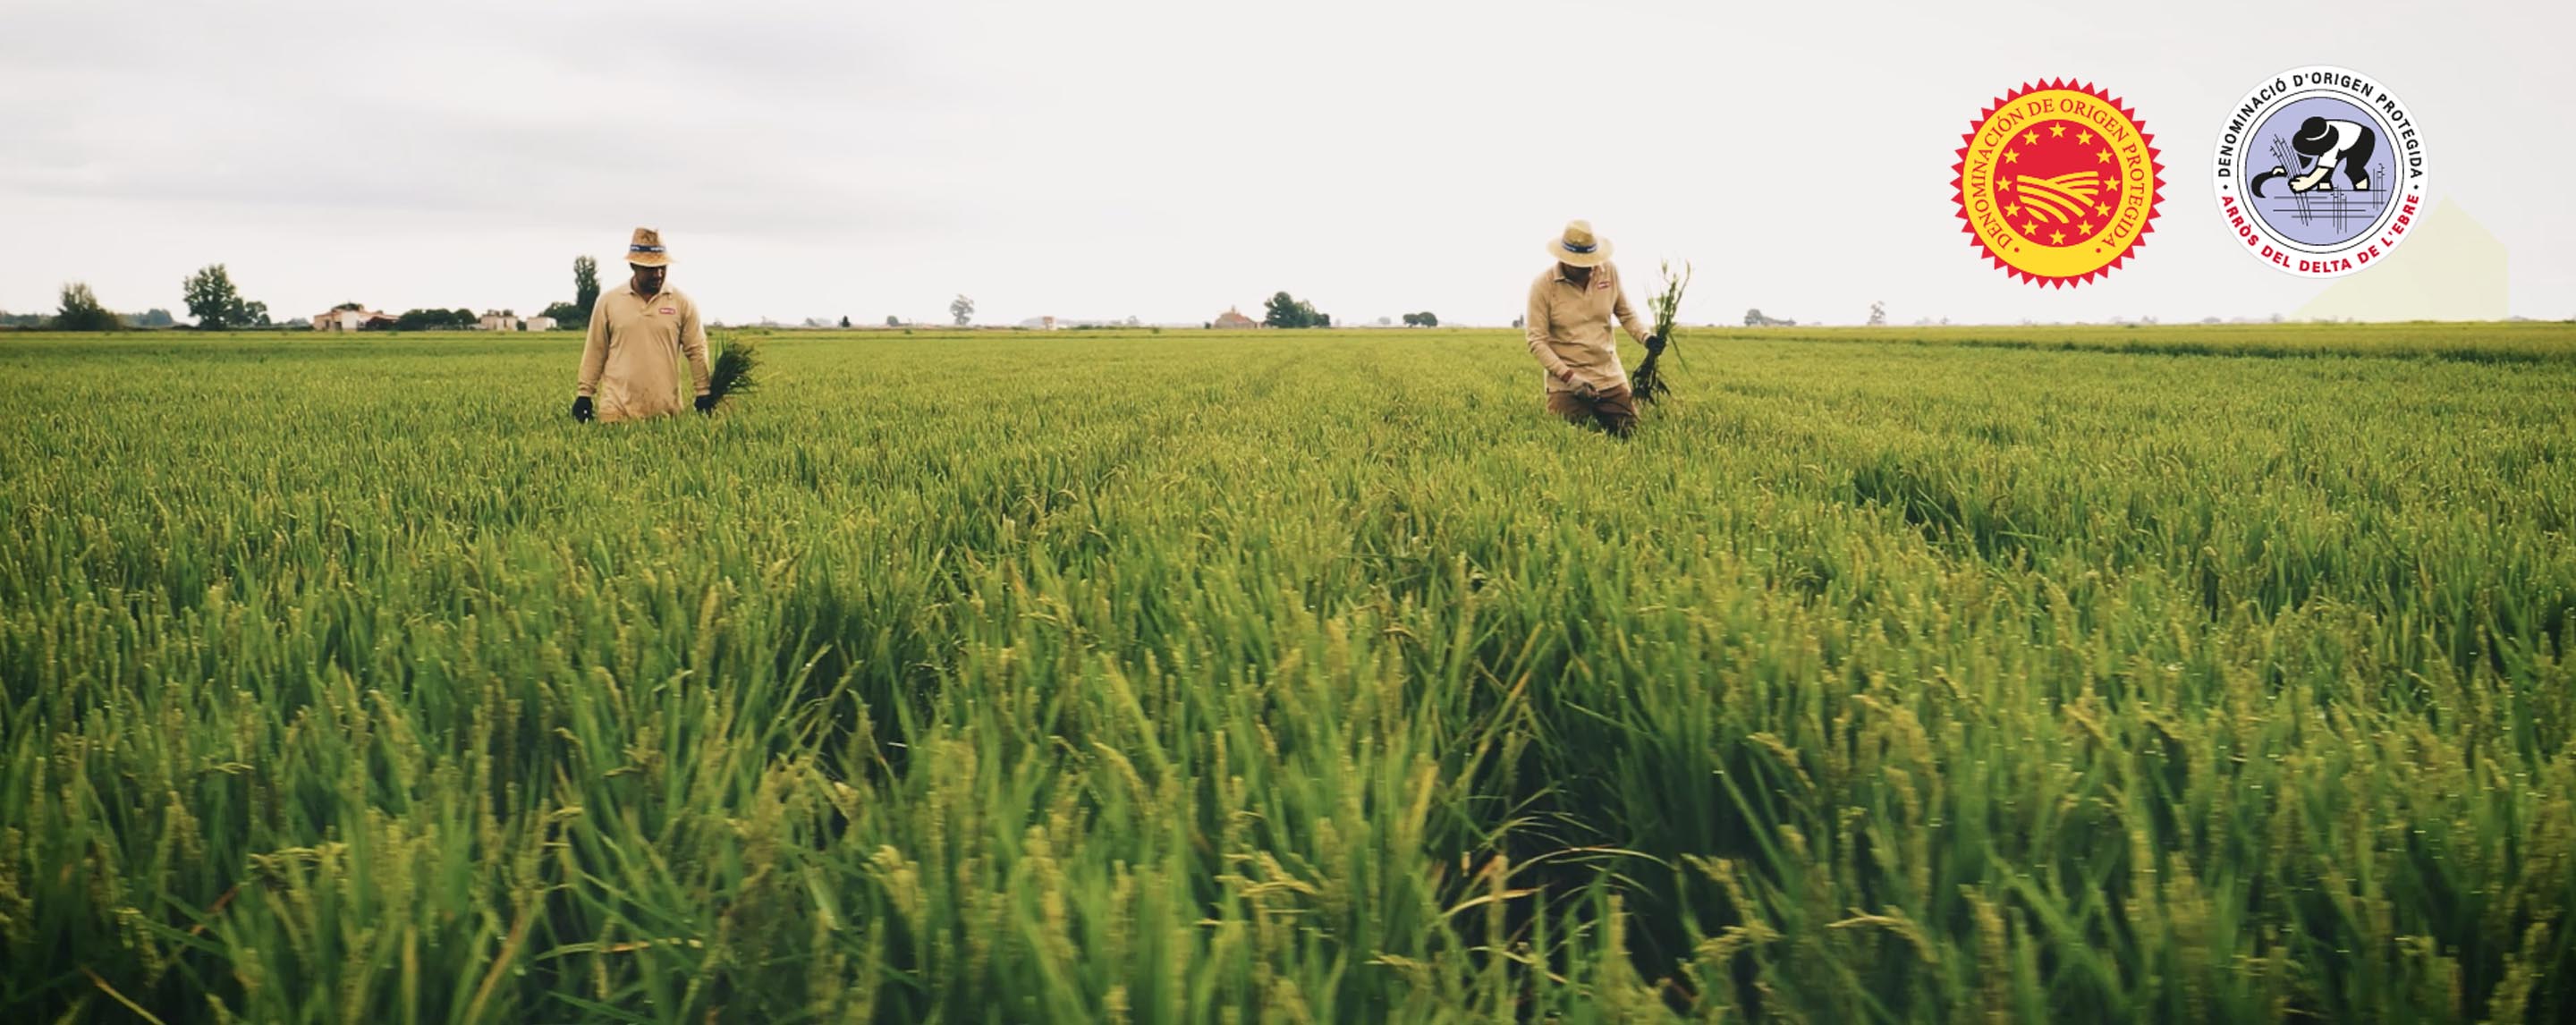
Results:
x,y
2114,128
2387,240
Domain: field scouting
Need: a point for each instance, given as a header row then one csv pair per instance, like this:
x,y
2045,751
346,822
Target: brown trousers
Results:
x,y
1614,411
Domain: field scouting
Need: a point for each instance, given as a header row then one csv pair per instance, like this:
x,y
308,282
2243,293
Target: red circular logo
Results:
x,y
2058,183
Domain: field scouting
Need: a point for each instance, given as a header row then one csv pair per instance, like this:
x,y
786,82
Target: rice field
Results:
x,y
2038,674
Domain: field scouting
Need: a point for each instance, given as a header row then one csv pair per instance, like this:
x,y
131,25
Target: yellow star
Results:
x,y
2031,229
2084,228
2031,139
2056,238
2106,157
2101,210
2057,131
2003,185
2011,157
2013,210
2083,138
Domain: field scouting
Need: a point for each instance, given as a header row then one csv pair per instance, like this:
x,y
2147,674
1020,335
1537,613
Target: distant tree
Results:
x,y
585,284
1408,321
438,320
81,311
1878,314
1517,322
963,309
893,321
845,321
1425,318
568,315
349,306
1753,317
155,317
1284,310
217,305
1134,321
211,297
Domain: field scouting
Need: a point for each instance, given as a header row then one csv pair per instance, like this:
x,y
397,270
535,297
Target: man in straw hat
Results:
x,y
1571,307
629,367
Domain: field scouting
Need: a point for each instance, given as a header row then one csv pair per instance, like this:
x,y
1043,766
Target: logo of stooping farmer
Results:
x,y
2319,171
2058,183
1571,307
638,335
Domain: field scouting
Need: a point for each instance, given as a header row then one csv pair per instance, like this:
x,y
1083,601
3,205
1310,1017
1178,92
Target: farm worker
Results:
x,y
1571,306
630,365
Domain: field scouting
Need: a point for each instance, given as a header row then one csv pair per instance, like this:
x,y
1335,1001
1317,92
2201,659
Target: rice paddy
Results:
x,y
1894,675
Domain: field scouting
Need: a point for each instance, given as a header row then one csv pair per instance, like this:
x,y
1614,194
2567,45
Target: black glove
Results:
x,y
1654,344
706,403
581,409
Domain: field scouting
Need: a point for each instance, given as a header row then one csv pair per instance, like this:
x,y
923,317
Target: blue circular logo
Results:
x,y
2320,172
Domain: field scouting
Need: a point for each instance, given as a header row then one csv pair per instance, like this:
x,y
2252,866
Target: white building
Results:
x,y
351,320
539,324
495,320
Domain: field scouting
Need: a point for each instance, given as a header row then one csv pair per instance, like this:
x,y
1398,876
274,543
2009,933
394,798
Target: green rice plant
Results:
x,y
1666,304
732,373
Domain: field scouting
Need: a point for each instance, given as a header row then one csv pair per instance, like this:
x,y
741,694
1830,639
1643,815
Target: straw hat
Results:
x,y
646,250
1579,247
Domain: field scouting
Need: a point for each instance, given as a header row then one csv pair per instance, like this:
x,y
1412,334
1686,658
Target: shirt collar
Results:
x,y
1598,270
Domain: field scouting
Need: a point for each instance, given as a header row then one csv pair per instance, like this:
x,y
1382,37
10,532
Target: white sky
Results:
x,y
1167,160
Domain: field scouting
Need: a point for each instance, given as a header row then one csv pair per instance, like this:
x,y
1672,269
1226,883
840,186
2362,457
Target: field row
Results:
x,y
1294,676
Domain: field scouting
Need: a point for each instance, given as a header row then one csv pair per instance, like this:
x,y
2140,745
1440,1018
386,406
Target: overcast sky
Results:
x,y
1168,160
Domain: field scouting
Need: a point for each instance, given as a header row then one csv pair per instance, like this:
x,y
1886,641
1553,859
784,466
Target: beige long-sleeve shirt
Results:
x,y
630,365
1569,328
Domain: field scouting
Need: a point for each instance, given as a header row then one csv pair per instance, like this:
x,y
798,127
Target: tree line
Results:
x,y
217,305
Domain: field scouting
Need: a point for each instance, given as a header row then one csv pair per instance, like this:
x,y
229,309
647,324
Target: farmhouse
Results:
x,y
1233,319
538,324
497,320
352,320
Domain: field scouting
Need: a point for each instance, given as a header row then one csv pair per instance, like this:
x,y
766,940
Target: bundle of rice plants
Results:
x,y
1648,383
733,371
